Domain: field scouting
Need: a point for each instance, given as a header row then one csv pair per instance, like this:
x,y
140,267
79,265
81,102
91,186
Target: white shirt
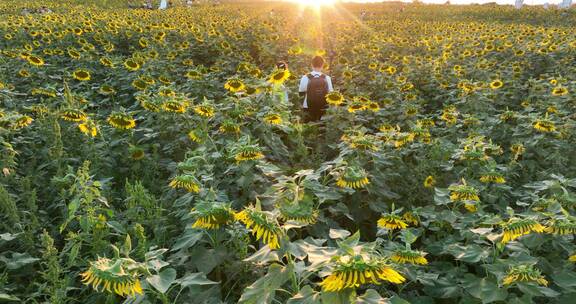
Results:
x,y
304,85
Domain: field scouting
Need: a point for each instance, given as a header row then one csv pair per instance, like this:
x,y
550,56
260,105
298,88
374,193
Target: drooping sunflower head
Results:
x,y
559,91
194,74
229,126
354,271
392,221
279,76
174,106
524,273
114,277
302,211
136,153
352,177
35,60
81,75
234,85
544,125
247,153
361,141
516,227
204,110
273,119
463,192
561,227
121,120
185,181
106,90
21,121
211,215
195,136
496,84
356,106
74,115
409,257
492,177
262,226
429,182
131,65
334,98
89,128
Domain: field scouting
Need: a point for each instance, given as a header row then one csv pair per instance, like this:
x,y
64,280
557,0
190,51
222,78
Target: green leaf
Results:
x,y
163,280
264,255
18,260
338,233
7,297
307,295
486,290
264,289
188,240
198,278
370,297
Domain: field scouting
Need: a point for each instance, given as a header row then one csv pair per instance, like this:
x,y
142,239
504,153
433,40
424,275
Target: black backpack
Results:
x,y
316,92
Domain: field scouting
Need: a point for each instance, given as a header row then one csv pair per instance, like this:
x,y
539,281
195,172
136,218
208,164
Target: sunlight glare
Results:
x,y
315,2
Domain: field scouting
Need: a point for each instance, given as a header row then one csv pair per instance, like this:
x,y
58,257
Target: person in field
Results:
x,y
314,86
282,65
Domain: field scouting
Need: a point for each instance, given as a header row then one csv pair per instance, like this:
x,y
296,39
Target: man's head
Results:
x,y
317,63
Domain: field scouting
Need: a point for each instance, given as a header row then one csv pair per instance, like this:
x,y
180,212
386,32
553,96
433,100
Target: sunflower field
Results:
x,y
153,156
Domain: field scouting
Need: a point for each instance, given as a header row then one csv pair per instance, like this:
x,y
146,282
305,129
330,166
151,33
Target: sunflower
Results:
x,y
429,182
409,257
194,74
204,110
356,106
248,153
131,65
185,181
234,85
23,73
301,211
561,227
194,136
492,177
353,177
353,271
391,222
113,276
81,75
559,91
73,115
121,120
229,126
524,273
211,215
463,192
262,226
273,119
34,60
89,128
106,90
139,84
544,125
516,228
136,153
334,98
105,61
174,106
572,258
279,76
22,121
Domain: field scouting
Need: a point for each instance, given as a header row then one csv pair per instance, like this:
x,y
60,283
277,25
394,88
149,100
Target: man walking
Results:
x,y
315,86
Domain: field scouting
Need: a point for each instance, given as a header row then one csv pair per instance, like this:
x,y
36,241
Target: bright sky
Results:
x,y
509,2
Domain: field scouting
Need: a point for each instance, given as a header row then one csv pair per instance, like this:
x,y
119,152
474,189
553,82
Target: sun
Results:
x,y
315,2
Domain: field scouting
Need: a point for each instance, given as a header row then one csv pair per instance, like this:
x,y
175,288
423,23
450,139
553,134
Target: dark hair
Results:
x,y
282,65
318,62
